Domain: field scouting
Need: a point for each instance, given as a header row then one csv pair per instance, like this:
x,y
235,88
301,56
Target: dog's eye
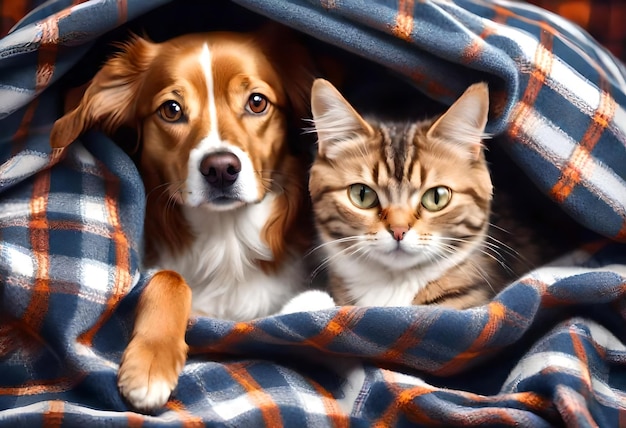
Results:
x,y
171,111
257,103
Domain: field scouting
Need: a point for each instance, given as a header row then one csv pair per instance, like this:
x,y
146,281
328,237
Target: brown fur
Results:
x,y
158,350
128,91
122,93
401,162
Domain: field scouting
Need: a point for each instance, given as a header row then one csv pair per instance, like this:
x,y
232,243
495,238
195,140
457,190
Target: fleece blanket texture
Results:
x,y
550,350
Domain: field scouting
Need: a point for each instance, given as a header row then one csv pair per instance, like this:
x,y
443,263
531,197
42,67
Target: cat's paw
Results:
x,y
312,300
149,372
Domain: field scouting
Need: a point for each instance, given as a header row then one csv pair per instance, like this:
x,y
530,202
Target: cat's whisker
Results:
x,y
490,246
502,246
495,226
511,251
497,257
478,269
327,260
469,262
363,250
335,241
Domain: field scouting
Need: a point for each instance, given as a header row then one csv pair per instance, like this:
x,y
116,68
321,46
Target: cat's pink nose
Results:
x,y
398,232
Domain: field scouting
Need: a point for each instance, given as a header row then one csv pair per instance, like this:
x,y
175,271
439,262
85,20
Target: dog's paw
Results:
x,y
312,300
149,372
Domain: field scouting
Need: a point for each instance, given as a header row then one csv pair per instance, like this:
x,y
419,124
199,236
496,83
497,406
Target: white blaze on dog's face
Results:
x,y
211,111
213,121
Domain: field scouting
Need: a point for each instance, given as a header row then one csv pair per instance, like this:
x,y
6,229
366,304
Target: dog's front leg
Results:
x,y
157,350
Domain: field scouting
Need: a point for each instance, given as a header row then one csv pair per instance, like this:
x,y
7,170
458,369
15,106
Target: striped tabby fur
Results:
x,y
403,209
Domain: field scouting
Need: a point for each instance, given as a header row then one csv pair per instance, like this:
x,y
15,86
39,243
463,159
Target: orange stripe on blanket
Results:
x,y
134,420
475,48
19,138
262,400
581,162
497,313
36,387
433,88
501,14
122,280
520,115
39,239
240,330
531,400
543,66
337,416
48,48
484,413
53,417
403,399
572,406
404,342
579,351
77,225
404,20
345,316
187,419
622,417
621,235
571,175
122,11
407,340
544,60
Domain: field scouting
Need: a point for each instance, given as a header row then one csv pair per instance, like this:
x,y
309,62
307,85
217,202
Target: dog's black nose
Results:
x,y
220,169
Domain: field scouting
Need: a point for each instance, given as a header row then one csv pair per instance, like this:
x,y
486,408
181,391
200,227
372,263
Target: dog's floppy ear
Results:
x,y
109,101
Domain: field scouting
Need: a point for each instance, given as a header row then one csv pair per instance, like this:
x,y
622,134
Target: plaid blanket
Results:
x,y
550,350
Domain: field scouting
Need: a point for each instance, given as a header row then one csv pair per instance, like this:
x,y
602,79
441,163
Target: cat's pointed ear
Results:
x,y
464,122
336,121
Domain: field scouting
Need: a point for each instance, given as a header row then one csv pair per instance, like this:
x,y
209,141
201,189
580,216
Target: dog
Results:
x,y
226,211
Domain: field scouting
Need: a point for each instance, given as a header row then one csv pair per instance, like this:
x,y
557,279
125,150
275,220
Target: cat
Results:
x,y
403,208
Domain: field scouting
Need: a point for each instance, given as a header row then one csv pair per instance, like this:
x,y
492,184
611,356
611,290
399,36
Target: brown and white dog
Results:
x,y
225,215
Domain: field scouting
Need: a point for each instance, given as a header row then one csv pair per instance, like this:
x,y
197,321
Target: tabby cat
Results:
x,y
403,208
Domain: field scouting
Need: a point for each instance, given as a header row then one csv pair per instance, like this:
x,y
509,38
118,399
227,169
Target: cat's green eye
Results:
x,y
362,196
436,198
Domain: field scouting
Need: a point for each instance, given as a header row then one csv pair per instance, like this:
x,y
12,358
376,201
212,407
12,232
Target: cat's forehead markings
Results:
x,y
389,153
411,149
398,148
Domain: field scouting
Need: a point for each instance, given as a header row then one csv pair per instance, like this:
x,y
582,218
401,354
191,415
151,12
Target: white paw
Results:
x,y
146,398
149,371
312,300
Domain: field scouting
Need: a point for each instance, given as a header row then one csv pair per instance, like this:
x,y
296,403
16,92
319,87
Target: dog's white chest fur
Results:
x,y
221,268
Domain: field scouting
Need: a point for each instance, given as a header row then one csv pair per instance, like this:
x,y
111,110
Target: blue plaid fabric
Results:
x,y
550,350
